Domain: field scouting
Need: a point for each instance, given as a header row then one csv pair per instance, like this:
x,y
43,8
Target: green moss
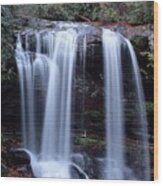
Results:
x,y
95,115
149,107
140,43
149,57
91,145
145,58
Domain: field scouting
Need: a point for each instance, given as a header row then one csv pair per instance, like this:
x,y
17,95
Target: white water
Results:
x,y
54,72
83,56
116,167
47,75
113,105
56,131
27,98
142,112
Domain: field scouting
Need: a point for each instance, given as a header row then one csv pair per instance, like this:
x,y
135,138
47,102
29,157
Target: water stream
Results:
x,y
46,74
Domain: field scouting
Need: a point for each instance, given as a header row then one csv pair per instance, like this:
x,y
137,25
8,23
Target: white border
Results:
x,y
49,182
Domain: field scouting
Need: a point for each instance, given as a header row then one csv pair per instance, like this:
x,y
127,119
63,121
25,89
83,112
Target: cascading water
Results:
x,y
57,68
46,72
114,105
116,167
58,104
84,46
141,114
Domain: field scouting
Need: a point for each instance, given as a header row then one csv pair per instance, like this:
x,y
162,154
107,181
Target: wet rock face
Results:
x,y
91,166
20,157
83,162
14,163
83,166
140,42
4,170
10,107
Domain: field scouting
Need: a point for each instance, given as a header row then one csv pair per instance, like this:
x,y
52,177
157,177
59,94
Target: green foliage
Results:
x,y
147,66
85,141
145,56
109,14
132,12
91,145
7,42
95,115
149,107
150,58
140,43
142,12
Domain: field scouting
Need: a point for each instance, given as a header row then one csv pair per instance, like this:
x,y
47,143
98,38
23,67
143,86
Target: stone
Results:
x,y
19,157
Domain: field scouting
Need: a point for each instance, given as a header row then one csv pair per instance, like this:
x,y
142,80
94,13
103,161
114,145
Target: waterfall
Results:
x,y
27,96
56,131
54,72
47,63
83,57
116,159
113,105
142,112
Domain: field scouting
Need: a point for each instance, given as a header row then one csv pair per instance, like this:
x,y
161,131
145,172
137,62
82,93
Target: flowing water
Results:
x,y
113,105
141,111
54,72
116,167
46,72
